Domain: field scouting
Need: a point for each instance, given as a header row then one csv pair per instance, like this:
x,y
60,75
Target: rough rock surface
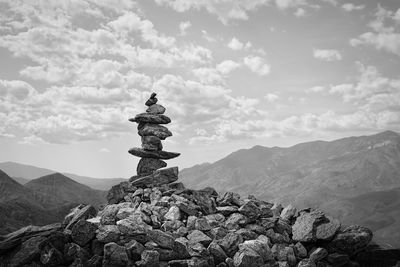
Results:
x,y
139,152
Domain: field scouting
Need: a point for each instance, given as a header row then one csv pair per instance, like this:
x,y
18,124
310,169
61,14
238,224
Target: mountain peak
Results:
x,y
54,178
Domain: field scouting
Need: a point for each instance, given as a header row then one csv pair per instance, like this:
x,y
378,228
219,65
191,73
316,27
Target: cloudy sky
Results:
x,y
232,74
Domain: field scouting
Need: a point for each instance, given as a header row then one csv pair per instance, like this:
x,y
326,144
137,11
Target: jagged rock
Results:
x,y
147,166
230,199
306,263
134,249
139,152
217,252
115,255
152,143
258,229
108,233
215,220
82,212
197,236
246,234
318,254
202,224
155,109
230,243
133,225
218,233
51,257
83,232
29,250
161,238
250,210
145,129
235,220
97,247
149,258
173,214
300,250
327,230
117,192
351,239
276,209
152,100
247,258
151,118
227,210
109,214
338,259
159,177
277,237
288,212
304,227
185,205
260,247
95,261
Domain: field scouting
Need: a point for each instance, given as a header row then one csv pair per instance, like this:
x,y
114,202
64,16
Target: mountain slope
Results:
x,y
10,189
30,172
310,174
57,189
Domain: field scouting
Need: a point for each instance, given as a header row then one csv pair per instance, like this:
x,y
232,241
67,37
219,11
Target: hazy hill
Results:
x,y
28,172
316,174
57,189
10,189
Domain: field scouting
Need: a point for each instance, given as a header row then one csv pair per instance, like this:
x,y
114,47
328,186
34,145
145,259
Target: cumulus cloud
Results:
x,y
315,89
327,54
271,98
183,26
227,66
385,34
351,7
235,44
257,65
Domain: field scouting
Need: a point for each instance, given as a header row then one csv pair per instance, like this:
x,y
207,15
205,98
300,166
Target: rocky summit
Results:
x,y
153,220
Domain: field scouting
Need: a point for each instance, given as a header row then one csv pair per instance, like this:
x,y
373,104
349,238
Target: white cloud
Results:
x,y
235,44
271,98
183,26
257,65
327,54
351,7
104,150
315,89
300,12
385,33
227,66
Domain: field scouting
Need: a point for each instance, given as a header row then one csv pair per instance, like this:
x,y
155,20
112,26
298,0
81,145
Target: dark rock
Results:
x,y
152,100
151,118
149,258
82,212
95,261
230,199
205,201
218,233
197,236
300,250
161,238
115,255
217,252
117,193
133,225
230,243
351,240
374,257
145,129
202,224
258,229
75,253
235,220
152,143
247,258
306,263
97,247
318,254
159,177
304,227
337,259
51,257
147,166
134,250
30,249
108,233
155,109
250,210
246,234
138,152
83,232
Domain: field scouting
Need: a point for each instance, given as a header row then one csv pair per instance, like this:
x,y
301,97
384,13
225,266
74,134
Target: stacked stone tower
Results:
x,y
149,169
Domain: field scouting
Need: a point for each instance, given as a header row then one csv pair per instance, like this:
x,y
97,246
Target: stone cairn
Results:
x,y
153,220
151,153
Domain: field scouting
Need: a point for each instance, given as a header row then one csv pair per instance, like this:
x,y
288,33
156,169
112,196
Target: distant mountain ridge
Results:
x,y
22,172
315,174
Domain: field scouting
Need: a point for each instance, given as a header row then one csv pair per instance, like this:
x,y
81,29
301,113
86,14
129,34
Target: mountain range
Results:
x,y
23,173
42,201
356,179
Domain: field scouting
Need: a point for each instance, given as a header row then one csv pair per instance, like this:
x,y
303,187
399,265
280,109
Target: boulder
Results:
x,y
304,227
161,238
197,236
83,232
250,210
318,254
288,212
217,252
134,250
159,177
115,255
351,240
147,166
139,152
247,258
152,143
108,233
145,129
82,212
151,118
230,199
30,249
155,109
149,258
230,243
235,220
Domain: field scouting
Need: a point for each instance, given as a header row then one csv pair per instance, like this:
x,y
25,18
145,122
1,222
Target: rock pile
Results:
x,y
153,220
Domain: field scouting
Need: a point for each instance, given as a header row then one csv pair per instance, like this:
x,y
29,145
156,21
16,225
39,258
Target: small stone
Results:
x,y
173,214
152,100
151,118
159,177
161,238
306,263
227,210
147,166
217,252
83,232
288,212
155,109
318,254
138,152
145,129
230,243
115,255
197,236
235,221
108,233
230,199
250,210
149,258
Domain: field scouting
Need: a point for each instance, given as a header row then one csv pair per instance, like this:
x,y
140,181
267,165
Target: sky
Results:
x,y
231,74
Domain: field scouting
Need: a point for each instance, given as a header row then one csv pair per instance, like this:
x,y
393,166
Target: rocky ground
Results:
x,y
161,223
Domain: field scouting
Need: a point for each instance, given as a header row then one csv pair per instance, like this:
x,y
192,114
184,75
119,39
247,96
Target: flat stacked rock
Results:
x,y
151,153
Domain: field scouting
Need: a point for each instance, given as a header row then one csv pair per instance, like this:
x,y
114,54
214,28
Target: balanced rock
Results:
x,y
151,118
145,129
138,152
151,142
152,100
159,177
155,109
147,166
